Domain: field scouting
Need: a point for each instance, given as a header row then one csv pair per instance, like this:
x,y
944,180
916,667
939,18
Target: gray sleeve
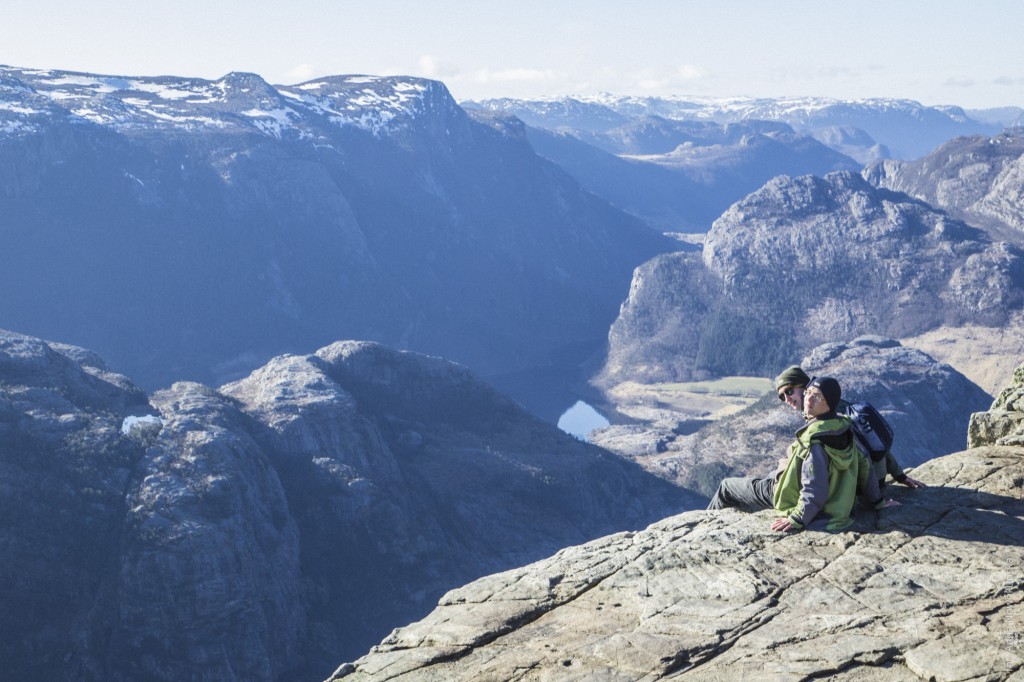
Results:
x,y
813,485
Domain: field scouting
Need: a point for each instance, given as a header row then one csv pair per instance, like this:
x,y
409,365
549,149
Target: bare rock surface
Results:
x,y
1003,423
930,590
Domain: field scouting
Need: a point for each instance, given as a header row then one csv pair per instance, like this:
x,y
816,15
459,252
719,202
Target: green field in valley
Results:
x,y
747,387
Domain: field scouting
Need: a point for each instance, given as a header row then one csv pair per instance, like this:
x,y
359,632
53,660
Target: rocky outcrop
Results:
x,y
979,179
929,405
1003,423
805,261
256,531
929,590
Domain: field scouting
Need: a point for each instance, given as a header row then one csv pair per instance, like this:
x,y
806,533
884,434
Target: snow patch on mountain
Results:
x,y
379,105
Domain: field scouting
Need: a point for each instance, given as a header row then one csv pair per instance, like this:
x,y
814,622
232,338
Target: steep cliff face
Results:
x,y
928,590
253,532
929,405
208,571
805,261
64,470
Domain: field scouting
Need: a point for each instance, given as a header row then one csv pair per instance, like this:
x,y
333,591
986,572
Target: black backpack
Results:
x,y
873,432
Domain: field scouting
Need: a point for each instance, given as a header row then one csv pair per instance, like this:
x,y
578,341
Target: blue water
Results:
x,y
580,419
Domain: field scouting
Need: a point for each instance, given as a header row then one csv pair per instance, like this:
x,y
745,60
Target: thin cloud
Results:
x,y
960,82
690,72
682,76
518,76
302,72
432,67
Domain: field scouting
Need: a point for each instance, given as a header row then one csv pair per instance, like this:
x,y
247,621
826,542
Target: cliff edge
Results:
x,y
929,590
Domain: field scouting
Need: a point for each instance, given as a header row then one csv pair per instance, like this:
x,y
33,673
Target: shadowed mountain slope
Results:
x,y
253,532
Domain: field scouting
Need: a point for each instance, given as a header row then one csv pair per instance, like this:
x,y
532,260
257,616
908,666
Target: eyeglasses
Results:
x,y
812,397
785,394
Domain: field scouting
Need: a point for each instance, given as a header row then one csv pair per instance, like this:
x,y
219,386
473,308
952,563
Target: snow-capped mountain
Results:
x,y
908,128
188,228
241,102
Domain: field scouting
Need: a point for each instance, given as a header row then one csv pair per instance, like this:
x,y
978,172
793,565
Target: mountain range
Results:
x,y
679,176
804,261
193,229
244,508
905,129
188,228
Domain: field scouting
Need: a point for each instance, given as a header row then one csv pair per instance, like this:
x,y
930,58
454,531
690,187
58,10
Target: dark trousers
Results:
x,y
747,494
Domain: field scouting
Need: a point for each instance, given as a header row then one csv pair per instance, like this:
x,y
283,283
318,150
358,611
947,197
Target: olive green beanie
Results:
x,y
791,376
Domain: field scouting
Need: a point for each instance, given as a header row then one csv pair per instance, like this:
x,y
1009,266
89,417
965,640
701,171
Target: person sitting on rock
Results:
x,y
819,480
789,386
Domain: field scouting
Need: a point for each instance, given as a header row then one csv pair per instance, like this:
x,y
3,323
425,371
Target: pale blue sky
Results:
x,y
933,51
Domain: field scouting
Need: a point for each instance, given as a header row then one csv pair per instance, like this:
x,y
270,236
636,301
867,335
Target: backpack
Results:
x,y
873,432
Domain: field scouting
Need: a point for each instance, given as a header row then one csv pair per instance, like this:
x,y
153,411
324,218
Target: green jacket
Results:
x,y
823,476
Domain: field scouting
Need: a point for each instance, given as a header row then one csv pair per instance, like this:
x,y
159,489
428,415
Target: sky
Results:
x,y
966,53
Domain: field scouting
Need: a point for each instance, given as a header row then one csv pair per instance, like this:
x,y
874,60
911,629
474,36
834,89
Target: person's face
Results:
x,y
814,402
793,396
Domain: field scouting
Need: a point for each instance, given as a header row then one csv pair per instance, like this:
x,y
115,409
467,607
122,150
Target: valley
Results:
x,y
350,313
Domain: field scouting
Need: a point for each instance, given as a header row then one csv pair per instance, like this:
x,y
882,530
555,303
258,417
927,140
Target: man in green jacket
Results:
x,y
789,386
825,470
820,479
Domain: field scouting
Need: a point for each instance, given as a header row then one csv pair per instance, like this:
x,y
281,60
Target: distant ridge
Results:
x,y
908,128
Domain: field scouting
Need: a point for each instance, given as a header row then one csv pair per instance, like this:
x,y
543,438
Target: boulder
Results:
x,y
1003,423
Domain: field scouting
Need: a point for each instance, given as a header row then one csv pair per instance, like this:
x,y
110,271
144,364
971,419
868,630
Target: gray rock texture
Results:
x,y
256,531
1003,423
64,469
929,590
805,261
929,405
979,179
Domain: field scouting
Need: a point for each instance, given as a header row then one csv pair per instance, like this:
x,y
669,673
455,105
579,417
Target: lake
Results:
x,y
580,419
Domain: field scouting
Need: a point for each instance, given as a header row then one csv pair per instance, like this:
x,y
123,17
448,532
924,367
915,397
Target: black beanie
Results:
x,y
829,388
791,376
